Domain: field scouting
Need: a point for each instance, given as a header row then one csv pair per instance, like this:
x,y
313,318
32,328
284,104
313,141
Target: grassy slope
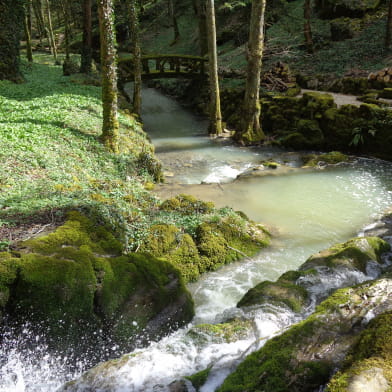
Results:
x,y
51,158
284,41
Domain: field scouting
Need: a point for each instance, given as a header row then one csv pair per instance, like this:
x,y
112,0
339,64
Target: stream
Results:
x,y
307,209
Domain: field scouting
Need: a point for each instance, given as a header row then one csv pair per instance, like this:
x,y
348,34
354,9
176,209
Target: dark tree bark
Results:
x,y
202,26
11,25
251,131
215,127
39,16
110,126
388,34
27,31
86,55
67,32
307,27
172,16
137,58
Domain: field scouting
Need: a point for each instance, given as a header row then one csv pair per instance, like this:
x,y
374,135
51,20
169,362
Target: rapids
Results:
x,y
308,210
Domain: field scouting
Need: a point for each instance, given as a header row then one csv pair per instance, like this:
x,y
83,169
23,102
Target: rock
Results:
x,y
344,28
330,158
77,288
367,367
353,254
303,358
381,228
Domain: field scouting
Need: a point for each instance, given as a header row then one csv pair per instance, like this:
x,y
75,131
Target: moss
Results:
x,y
386,93
352,254
372,351
69,283
277,293
199,379
331,158
228,332
187,204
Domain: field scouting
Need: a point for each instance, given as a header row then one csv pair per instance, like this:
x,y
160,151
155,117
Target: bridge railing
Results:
x,y
166,65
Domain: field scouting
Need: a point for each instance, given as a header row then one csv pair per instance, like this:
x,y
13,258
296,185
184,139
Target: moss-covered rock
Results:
x,y
331,158
303,358
368,365
276,293
198,379
74,282
344,28
227,332
187,204
353,254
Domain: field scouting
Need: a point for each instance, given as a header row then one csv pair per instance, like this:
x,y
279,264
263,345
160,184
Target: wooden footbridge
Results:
x,y
164,66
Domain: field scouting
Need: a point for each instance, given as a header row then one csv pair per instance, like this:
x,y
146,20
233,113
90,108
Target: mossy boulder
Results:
x,y
303,358
198,379
368,365
307,135
280,293
330,158
187,204
353,254
228,332
350,8
74,282
344,28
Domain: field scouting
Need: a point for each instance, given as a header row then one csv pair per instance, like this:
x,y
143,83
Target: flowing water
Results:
x,y
308,210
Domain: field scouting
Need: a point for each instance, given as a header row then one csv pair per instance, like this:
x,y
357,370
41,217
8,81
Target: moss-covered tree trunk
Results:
x,y
137,58
52,39
11,25
215,126
86,55
172,16
307,27
27,31
110,131
67,32
251,131
202,26
388,36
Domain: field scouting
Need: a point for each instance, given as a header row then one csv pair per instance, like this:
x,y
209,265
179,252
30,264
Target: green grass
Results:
x,y
51,156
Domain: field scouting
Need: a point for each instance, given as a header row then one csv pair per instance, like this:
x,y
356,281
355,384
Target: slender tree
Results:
x,y
86,55
388,35
307,27
137,58
251,131
37,7
52,39
200,12
110,132
27,31
11,25
215,126
172,16
67,32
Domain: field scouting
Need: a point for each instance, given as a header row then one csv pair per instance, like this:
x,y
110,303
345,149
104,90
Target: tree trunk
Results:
x,y
27,30
39,16
172,16
251,131
66,29
137,58
51,34
86,55
215,126
307,27
388,34
202,26
110,126
11,24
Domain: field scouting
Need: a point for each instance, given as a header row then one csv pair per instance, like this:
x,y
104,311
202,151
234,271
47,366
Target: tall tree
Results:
x,y
388,35
251,131
86,55
110,126
172,16
11,25
215,126
27,30
307,27
200,12
137,57
52,39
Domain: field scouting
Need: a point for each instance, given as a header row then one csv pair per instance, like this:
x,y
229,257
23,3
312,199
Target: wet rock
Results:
x,y
381,228
303,358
